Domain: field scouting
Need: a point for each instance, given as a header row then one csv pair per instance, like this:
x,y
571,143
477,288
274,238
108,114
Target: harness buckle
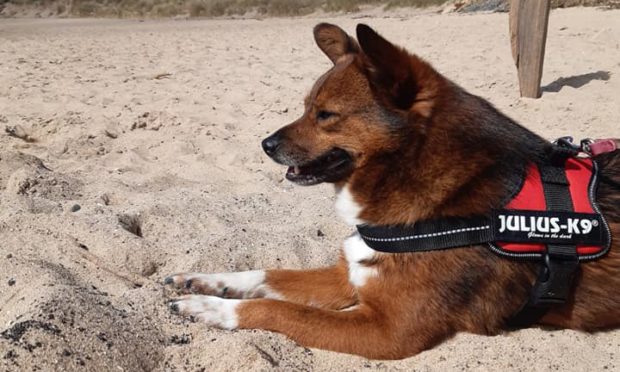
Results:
x,y
567,142
554,283
552,287
585,145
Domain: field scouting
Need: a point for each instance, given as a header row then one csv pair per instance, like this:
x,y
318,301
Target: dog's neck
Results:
x,y
470,171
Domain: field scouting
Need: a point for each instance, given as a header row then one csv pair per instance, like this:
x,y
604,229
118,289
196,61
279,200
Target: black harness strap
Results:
x,y
439,234
561,261
428,235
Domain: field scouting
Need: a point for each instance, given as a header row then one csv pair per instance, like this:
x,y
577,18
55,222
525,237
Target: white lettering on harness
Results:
x,y
541,224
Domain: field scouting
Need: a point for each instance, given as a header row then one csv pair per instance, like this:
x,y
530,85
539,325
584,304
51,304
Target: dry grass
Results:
x,y
219,8
203,8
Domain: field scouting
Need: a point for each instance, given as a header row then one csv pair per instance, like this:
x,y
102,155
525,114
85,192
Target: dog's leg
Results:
x,y
364,330
328,287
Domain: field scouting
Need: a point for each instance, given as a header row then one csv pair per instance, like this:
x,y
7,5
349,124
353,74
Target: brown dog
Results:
x,y
403,144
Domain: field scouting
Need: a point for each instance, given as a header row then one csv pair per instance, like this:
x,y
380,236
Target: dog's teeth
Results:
x,y
296,170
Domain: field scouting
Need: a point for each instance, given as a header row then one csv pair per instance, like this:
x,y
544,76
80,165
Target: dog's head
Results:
x,y
353,112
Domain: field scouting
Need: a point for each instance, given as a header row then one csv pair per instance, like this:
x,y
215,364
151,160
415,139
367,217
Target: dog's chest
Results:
x,y
347,208
358,255
356,252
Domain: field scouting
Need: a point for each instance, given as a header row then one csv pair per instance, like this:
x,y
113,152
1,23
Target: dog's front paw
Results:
x,y
215,311
197,283
228,285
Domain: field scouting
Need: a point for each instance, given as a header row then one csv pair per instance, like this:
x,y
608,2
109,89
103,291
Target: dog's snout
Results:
x,y
271,144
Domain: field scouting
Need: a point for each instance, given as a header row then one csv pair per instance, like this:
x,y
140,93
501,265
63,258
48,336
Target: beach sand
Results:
x,y
134,152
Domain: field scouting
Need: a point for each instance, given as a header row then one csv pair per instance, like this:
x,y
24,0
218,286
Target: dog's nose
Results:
x,y
271,144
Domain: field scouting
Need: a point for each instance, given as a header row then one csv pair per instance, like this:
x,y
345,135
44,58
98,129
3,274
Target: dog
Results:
x,y
403,144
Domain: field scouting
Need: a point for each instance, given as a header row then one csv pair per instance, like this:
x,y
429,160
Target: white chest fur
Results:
x,y
347,208
355,252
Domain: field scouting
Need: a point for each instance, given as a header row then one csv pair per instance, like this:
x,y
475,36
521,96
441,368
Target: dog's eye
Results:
x,y
324,115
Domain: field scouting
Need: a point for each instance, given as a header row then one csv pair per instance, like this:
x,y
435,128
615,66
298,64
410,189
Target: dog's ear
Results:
x,y
389,68
334,42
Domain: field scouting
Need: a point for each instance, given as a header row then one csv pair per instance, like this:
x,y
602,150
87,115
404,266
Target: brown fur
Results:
x,y
421,147
327,288
595,304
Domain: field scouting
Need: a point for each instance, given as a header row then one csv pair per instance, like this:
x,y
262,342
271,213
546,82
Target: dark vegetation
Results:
x,y
198,8
231,8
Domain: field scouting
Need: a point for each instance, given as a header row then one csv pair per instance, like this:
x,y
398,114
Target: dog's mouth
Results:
x,y
332,166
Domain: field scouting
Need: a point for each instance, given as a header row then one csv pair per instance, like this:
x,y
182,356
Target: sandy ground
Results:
x,y
153,129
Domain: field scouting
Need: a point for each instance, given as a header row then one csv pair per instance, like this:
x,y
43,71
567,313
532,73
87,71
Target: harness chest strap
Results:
x,y
529,227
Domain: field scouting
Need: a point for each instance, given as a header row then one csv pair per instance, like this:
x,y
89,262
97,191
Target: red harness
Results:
x,y
581,177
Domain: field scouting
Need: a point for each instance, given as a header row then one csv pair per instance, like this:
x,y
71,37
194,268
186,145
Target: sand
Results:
x,y
134,152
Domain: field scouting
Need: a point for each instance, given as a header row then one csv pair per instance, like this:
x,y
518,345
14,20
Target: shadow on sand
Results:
x,y
576,81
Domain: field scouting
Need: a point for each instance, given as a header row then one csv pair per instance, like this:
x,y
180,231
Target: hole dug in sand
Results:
x,y
131,223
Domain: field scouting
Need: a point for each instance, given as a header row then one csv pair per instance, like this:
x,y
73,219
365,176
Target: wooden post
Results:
x,y
528,33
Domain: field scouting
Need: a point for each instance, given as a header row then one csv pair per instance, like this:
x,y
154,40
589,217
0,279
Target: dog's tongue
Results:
x,y
294,170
